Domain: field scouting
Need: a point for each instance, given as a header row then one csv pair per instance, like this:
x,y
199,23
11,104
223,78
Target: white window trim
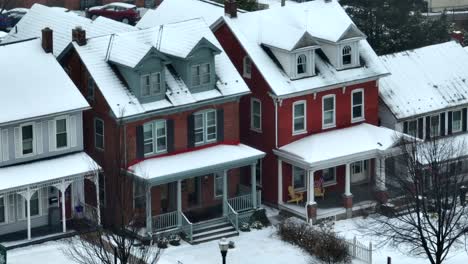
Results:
x,y
350,54
247,74
306,72
331,182
302,131
67,118
363,117
215,175
252,114
103,134
33,140
461,121
204,114
155,137
332,125
5,209
305,179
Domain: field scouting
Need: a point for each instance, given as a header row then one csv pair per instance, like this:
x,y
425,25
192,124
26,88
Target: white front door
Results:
x,y
359,171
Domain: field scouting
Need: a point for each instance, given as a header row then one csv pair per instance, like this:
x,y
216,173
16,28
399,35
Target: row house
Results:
x,y
43,166
314,103
165,111
427,94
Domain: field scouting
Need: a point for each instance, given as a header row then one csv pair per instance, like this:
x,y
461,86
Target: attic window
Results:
x,y
347,55
150,84
301,64
201,74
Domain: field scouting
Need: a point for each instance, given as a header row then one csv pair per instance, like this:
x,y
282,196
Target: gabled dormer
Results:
x,y
197,67
145,77
296,55
344,53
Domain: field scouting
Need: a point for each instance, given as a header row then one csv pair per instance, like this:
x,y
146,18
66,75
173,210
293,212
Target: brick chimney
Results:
x,y
230,8
47,40
79,35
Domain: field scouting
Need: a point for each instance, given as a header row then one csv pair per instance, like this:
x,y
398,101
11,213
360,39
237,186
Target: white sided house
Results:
x,y
42,164
426,95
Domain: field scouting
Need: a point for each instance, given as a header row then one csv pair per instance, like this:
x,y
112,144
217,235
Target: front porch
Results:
x,y
214,192
38,199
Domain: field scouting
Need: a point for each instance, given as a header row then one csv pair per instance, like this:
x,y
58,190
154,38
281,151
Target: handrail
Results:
x,y
165,221
186,224
241,203
233,216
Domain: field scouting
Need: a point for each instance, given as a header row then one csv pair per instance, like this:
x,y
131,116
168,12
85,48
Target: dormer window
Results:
x,y
150,84
347,55
201,74
301,64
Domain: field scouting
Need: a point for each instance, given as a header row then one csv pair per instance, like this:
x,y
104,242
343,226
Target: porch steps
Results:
x,y
213,230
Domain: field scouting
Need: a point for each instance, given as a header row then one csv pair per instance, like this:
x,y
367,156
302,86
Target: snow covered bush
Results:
x,y
162,242
245,227
320,241
257,225
260,215
174,240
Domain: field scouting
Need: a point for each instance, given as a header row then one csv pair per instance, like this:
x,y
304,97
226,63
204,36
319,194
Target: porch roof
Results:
x,y
340,145
44,171
195,163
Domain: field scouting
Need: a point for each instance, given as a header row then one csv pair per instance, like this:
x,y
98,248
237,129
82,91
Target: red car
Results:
x,y
126,13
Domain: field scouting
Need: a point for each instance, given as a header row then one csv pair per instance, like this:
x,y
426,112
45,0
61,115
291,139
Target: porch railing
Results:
x,y
89,212
244,202
187,227
232,216
165,221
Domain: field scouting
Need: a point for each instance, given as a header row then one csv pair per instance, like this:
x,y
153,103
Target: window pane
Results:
x,y
198,136
299,124
198,121
61,140
210,118
299,178
434,126
328,104
256,121
357,111
100,141
27,136
161,144
147,131
161,129
2,210
328,175
357,98
328,117
412,127
61,125
34,205
256,107
298,110
195,75
27,132
99,127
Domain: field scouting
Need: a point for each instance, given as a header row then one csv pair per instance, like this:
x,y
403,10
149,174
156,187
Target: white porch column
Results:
x,y
98,202
311,188
28,211
280,182
225,193
63,189
348,180
253,179
149,216
179,202
380,174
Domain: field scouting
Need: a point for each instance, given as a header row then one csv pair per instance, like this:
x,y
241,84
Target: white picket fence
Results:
x,y
360,251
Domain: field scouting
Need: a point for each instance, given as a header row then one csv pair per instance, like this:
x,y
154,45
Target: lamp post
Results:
x,y
223,247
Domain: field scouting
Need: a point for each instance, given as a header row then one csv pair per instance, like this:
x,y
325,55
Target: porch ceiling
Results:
x,y
340,145
195,163
46,171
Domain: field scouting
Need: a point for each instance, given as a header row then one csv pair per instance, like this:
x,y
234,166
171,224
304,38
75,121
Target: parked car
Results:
x,y
126,13
9,18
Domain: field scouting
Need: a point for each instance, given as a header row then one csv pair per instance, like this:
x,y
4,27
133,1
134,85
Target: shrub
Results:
x,y
256,225
174,240
245,227
162,242
319,241
260,216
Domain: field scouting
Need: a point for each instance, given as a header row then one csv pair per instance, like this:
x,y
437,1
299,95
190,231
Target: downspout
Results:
x,y
275,102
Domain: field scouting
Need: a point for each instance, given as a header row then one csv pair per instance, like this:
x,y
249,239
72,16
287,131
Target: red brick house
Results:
x,y
314,102
165,108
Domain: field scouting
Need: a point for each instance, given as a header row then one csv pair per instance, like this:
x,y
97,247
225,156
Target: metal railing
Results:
x,y
244,202
165,221
232,216
360,251
187,227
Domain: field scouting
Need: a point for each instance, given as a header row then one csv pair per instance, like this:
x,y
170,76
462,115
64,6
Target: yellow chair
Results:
x,y
295,197
319,192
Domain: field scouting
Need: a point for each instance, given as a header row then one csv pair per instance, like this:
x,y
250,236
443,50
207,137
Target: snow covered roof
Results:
x,y
326,22
61,23
46,170
339,144
121,48
426,79
196,162
27,89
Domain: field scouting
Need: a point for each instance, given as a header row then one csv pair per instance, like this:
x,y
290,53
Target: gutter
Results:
x,y
30,119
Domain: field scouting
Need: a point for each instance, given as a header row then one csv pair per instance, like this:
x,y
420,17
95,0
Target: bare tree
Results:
x,y
426,181
117,243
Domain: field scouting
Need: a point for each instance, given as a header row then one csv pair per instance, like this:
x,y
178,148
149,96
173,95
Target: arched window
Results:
x,y
346,55
301,64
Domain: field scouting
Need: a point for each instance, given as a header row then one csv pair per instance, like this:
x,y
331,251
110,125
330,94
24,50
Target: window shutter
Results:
x,y
442,124
428,127
449,122
140,142
38,137
421,128
191,131
405,127
72,131
170,135
464,119
51,135
5,147
17,142
220,124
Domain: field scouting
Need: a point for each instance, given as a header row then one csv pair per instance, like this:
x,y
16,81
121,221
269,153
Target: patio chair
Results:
x,y
295,197
319,192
